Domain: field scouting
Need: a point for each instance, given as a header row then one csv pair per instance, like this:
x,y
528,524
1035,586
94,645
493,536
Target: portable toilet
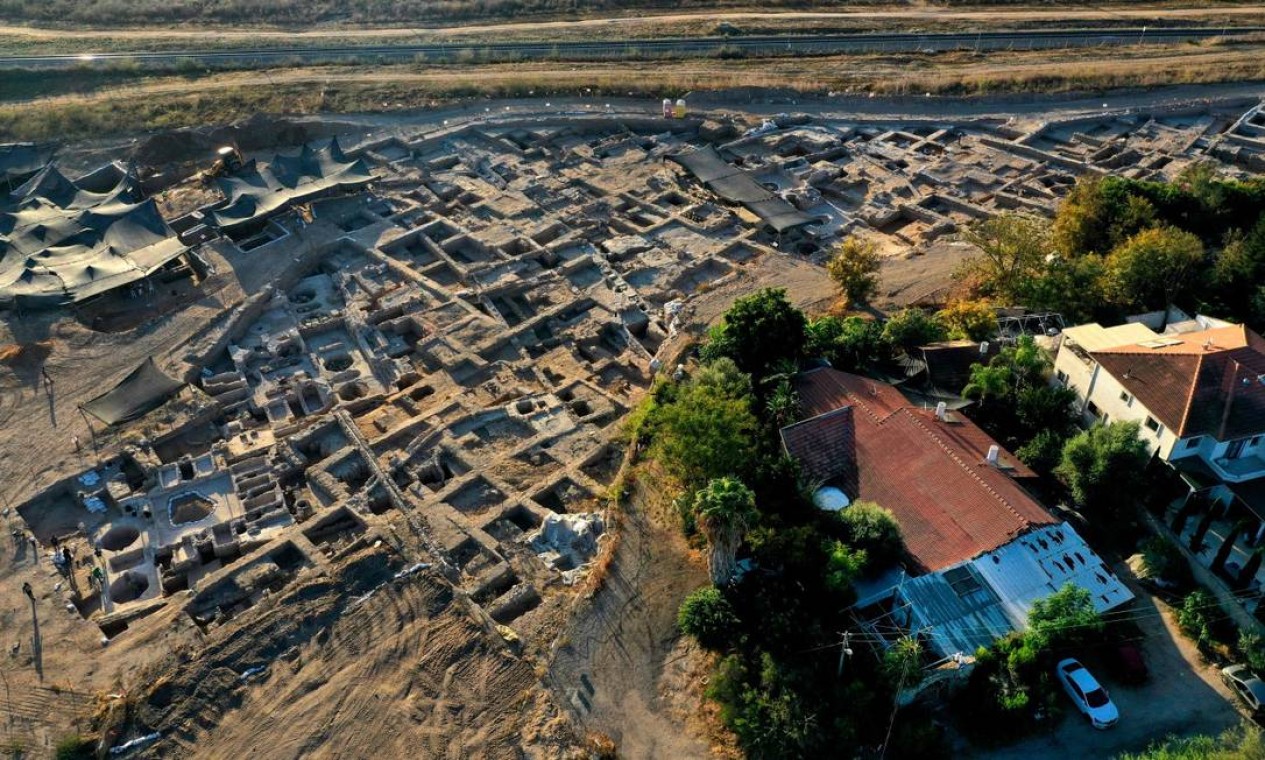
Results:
x,y
667,108
680,108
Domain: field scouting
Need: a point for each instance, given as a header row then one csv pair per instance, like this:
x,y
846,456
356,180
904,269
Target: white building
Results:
x,y
1196,390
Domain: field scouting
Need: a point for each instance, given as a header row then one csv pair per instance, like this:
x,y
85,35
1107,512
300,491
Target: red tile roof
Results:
x,y
932,475
1210,382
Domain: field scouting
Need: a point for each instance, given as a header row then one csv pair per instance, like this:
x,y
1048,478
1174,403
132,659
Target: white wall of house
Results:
x,y
1103,398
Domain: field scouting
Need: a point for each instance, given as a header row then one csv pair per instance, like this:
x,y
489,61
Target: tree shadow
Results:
x,y
37,642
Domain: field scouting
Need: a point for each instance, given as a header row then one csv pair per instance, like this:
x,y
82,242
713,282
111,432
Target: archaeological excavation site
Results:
x,y
314,431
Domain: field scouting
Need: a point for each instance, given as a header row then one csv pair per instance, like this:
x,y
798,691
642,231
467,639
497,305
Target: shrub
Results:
x,y
1251,646
969,320
1194,617
854,267
709,617
911,328
874,530
74,748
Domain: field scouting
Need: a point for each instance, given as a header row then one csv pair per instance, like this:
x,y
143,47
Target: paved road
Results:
x,y
639,48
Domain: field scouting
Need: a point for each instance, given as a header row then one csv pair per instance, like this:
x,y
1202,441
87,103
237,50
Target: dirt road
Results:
x,y
631,23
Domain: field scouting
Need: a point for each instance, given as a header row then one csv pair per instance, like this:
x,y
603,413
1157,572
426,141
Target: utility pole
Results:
x,y
844,652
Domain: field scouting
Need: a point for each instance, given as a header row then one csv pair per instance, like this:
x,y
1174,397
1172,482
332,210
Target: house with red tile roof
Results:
x,y
1197,395
980,548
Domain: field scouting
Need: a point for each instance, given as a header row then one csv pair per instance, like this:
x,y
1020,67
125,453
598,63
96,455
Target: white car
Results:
x,y
1090,697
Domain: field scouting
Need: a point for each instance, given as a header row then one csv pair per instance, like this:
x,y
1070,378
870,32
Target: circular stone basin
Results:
x,y
119,538
338,362
190,508
352,391
128,587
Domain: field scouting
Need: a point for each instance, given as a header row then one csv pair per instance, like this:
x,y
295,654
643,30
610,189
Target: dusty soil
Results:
x,y
355,665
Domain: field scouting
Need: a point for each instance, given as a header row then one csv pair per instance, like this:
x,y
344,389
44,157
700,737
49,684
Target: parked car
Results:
x,y
1090,697
1244,683
1128,664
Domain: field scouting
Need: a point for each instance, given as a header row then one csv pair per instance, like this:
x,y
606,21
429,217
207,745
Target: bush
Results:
x,y
911,328
874,530
1194,618
75,748
1163,560
969,320
1251,646
849,344
709,617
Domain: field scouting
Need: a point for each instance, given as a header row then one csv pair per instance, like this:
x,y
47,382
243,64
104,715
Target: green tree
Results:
x,y
763,330
1153,268
1071,286
874,530
1065,617
1043,408
902,662
969,320
1043,451
910,328
1238,273
854,267
843,565
724,510
1104,467
849,344
1013,249
1097,214
706,429
1014,369
709,617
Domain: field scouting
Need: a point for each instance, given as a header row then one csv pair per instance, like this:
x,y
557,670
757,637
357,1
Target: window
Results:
x,y
1061,376
1256,440
1193,443
1093,409
1151,424
1126,398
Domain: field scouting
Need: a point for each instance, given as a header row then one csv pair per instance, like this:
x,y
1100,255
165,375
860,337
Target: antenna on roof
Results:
x,y
1208,344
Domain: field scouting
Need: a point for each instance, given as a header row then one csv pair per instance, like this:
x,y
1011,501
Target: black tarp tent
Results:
x,y
738,186
144,390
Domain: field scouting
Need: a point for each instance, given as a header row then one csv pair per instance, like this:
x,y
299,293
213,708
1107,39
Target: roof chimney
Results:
x,y
983,348
994,455
942,412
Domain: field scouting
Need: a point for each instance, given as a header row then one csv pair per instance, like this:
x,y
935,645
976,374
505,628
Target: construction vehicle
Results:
x,y
228,160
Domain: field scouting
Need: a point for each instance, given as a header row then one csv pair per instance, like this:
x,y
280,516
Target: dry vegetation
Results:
x,y
115,13
123,101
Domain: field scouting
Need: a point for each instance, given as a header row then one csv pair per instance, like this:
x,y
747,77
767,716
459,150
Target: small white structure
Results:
x,y
831,499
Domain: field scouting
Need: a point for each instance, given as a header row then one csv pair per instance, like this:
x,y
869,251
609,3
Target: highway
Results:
x,y
754,46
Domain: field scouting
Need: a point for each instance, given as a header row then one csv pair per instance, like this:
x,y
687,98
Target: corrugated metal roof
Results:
x,y
951,621
1095,337
1040,563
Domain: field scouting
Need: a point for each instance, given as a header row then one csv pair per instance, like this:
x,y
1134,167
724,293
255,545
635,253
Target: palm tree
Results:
x,y
724,510
783,405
